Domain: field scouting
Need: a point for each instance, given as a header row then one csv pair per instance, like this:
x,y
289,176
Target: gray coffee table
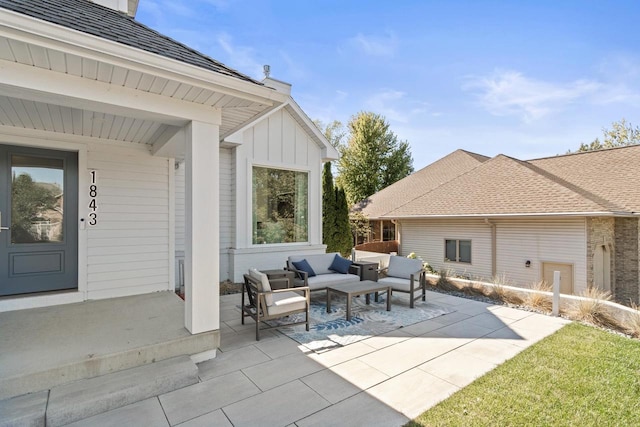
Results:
x,y
350,290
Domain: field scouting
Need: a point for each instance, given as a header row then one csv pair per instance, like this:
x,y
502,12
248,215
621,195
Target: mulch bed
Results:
x,y
227,288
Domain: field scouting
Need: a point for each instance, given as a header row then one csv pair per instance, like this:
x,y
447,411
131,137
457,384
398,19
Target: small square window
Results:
x,y
457,251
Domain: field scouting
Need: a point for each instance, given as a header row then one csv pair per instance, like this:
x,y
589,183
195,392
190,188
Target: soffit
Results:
x,y
235,110
42,116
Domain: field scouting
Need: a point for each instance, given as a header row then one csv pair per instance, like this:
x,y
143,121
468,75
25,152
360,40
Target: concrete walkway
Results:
x,y
384,380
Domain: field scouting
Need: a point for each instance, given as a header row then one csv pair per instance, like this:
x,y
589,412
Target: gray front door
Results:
x,y
39,217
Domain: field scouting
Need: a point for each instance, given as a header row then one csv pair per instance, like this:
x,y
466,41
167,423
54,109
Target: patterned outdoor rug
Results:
x,y
330,330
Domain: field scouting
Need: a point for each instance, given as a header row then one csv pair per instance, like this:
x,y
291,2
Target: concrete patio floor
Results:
x,y
384,380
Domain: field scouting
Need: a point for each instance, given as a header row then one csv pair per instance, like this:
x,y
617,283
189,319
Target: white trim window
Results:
x,y
280,206
457,251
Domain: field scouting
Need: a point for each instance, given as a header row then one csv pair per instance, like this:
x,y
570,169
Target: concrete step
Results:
x,y
25,410
85,398
91,339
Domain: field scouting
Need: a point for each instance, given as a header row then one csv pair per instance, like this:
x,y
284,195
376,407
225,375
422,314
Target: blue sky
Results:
x,y
523,78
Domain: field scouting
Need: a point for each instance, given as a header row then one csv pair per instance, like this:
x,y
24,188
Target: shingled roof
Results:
x,y
613,175
419,183
604,181
100,21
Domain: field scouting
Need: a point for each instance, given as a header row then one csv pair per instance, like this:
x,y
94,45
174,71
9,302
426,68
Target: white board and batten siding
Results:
x,y
427,239
227,202
277,141
128,248
562,240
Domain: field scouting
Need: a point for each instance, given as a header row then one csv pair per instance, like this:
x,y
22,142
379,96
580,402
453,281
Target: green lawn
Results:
x,y
580,376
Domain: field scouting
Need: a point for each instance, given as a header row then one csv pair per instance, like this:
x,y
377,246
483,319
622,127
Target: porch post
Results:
x,y
202,254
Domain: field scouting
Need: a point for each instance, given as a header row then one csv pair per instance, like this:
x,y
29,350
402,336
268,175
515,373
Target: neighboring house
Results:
x,y
479,217
161,153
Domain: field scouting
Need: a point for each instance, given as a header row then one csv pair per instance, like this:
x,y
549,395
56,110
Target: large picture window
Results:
x,y
280,206
457,250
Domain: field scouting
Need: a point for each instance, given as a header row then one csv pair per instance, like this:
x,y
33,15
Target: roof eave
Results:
x,y
514,215
53,36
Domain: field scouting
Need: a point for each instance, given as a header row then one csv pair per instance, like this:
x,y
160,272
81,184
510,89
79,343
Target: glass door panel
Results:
x,y
37,199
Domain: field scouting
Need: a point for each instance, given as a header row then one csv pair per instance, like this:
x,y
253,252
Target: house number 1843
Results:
x,y
93,194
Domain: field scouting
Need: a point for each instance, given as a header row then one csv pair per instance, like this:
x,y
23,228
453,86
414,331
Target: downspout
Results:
x,y
493,246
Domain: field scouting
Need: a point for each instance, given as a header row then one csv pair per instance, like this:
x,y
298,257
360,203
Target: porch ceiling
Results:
x,y
55,118
235,109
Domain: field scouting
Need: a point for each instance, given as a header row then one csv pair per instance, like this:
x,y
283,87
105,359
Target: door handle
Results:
x,y
1,227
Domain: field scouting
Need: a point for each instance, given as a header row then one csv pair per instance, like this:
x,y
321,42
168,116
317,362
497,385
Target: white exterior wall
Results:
x,y
227,202
278,141
535,240
128,249
426,238
543,240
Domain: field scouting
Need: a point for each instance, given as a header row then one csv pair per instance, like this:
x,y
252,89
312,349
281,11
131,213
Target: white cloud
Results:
x,y
295,70
511,93
396,107
241,58
375,45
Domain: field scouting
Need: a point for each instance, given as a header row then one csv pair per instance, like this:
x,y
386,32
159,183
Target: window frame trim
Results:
x,y
279,166
457,260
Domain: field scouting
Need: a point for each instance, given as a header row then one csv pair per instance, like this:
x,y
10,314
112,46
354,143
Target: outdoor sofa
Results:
x,y
324,270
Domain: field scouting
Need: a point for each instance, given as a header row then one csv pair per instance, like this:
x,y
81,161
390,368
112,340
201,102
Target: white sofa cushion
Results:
x,y
319,262
286,301
324,280
403,267
264,285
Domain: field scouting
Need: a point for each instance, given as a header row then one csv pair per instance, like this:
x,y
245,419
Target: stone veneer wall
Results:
x,y
600,231
627,262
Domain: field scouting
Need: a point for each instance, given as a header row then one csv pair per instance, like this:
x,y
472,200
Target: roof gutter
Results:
x,y
516,215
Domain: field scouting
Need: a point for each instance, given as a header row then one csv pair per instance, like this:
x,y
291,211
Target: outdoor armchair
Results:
x,y
266,304
405,275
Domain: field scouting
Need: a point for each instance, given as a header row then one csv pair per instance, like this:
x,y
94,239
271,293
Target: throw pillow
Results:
x,y
340,265
304,266
264,285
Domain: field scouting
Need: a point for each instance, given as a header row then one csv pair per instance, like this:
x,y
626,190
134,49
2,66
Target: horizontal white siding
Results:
x,y
538,241
517,241
227,203
179,202
426,238
128,249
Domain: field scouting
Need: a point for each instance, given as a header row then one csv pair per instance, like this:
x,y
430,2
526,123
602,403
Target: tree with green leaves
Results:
x,y
373,157
29,201
621,134
334,132
329,208
359,225
343,239
336,232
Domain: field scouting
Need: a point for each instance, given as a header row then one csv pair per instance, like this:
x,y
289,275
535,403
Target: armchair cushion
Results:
x,y
403,267
284,302
399,284
303,265
264,285
340,265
